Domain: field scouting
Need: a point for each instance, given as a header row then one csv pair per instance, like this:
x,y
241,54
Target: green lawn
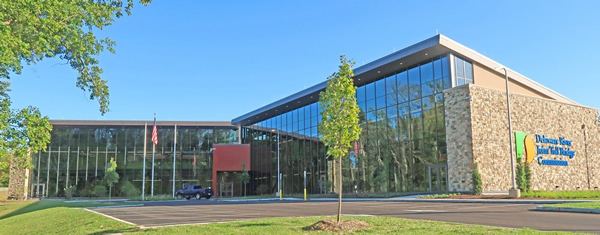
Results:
x,y
439,196
583,194
3,195
379,225
13,208
588,205
155,198
62,220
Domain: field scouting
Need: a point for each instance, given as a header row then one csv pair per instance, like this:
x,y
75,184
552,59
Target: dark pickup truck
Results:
x,y
196,191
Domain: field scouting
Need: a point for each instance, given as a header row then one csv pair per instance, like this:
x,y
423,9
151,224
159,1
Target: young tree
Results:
x,y
31,30
245,177
111,176
339,111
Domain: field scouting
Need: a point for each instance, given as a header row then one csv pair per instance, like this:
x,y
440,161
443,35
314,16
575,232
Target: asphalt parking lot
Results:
x,y
492,214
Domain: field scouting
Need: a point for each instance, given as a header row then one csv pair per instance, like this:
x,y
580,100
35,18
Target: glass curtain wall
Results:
x,y
403,133
299,151
78,156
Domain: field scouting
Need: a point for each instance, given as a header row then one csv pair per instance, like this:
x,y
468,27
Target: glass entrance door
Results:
x,y
37,190
438,176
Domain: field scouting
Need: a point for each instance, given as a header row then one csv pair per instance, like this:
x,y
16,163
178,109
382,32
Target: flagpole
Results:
x,y
153,152
144,165
174,157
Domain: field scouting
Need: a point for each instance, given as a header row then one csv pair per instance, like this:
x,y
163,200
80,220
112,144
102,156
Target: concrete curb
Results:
x,y
118,206
568,209
261,199
508,201
158,201
94,201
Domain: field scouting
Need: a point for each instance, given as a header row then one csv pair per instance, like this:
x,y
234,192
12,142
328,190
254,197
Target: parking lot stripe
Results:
x,y
117,219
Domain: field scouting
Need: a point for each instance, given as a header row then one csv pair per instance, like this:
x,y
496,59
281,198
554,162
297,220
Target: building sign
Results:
x,y
546,150
558,148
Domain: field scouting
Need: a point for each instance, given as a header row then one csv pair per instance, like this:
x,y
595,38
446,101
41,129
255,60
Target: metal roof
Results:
x,y
223,124
421,51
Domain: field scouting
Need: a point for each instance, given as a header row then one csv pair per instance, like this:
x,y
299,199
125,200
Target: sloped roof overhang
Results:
x,y
387,65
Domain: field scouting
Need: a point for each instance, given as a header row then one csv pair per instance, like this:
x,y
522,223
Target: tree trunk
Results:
x,y
333,176
340,192
109,192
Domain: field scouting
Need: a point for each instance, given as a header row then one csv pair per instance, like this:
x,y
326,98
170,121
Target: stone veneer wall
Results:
x,y
487,118
458,139
17,183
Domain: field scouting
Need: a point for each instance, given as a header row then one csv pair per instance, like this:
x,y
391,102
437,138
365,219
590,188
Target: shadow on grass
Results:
x,y
255,225
25,209
117,231
41,205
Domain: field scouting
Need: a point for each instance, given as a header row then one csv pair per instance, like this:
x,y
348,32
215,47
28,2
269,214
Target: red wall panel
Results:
x,y
229,157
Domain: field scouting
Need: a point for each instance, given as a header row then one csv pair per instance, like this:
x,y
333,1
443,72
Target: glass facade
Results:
x,y
299,149
78,155
403,137
402,147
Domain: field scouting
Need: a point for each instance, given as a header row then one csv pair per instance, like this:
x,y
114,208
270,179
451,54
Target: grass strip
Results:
x,y
156,198
439,196
583,194
587,205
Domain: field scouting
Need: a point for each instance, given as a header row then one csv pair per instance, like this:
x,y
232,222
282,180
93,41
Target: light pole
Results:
x,y
278,172
514,192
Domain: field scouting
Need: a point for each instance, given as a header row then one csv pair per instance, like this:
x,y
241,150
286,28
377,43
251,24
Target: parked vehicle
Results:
x,y
195,191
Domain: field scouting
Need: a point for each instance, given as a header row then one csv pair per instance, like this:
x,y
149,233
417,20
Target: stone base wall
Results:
x,y
490,138
17,183
457,105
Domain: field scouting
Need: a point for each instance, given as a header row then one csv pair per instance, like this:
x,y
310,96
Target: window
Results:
x,y
380,88
464,71
414,80
360,94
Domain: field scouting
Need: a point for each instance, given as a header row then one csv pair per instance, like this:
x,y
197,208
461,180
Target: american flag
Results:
x,y
154,137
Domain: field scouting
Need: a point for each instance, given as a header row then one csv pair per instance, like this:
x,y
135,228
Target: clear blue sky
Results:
x,y
216,60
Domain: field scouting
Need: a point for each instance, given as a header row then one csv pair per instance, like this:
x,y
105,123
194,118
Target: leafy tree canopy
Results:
x,y
339,117
31,30
111,175
340,112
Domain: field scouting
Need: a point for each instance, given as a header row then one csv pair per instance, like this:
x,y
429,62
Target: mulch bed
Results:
x,y
330,225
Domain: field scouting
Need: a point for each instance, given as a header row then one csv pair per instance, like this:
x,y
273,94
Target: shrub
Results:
x,y
326,185
262,189
130,190
523,177
100,191
69,191
476,177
